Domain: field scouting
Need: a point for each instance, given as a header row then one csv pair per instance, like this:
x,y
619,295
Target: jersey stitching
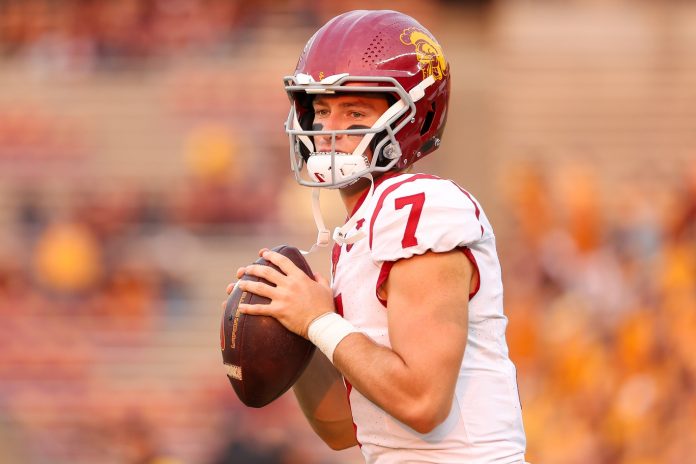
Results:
x,y
383,276
470,255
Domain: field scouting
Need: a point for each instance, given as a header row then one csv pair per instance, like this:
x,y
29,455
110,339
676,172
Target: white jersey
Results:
x,y
407,215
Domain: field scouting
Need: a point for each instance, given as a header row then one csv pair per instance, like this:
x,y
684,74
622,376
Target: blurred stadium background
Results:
x,y
142,159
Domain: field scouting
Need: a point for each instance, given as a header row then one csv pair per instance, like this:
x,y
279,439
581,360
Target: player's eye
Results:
x,y
356,114
321,113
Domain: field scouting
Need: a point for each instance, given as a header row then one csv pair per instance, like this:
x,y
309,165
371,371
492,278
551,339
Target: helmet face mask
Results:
x,y
382,52
331,171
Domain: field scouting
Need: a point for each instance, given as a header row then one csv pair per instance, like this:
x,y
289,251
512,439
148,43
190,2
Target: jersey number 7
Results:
x,y
416,201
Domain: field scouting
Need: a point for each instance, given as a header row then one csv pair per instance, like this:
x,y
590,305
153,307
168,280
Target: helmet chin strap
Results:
x,y
340,234
323,232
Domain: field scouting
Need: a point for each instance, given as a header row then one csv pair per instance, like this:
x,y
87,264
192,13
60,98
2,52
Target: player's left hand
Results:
x,y
296,300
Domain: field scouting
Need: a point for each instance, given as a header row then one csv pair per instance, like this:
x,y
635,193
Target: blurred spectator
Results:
x,y
15,287
31,214
222,189
85,35
591,347
243,452
68,259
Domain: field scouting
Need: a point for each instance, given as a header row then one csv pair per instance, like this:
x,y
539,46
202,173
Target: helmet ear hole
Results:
x,y
428,120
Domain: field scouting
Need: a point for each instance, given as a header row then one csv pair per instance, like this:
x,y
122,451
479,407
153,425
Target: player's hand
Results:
x,y
230,286
296,300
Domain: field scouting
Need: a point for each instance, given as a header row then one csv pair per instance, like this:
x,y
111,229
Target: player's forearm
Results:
x,y
337,435
321,394
420,400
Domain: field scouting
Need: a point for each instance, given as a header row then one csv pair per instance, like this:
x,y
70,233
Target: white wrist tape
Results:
x,y
327,331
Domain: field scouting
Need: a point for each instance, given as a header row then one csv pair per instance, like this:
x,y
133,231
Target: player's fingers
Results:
x,y
285,264
230,287
240,272
255,310
262,251
265,272
257,288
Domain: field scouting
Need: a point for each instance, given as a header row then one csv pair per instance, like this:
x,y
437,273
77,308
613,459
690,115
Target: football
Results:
x,y
263,359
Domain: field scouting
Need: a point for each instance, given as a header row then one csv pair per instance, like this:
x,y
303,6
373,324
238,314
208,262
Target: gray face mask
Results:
x,y
332,169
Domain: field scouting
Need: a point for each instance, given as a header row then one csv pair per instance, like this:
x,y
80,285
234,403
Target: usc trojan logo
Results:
x,y
428,52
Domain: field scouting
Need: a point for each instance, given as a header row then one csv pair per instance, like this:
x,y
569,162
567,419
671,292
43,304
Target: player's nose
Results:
x,y
324,141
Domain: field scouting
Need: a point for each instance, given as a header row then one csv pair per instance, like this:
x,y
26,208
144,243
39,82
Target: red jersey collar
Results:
x,y
378,181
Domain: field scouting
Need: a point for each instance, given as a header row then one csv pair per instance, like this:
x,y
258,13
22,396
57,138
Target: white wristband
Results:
x,y
327,331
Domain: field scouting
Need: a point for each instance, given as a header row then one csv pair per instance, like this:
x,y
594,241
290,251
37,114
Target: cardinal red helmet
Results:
x,y
369,51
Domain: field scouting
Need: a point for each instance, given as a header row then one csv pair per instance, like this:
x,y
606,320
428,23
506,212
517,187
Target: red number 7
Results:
x,y
416,201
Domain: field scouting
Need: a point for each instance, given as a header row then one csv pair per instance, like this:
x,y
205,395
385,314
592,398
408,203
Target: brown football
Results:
x,y
263,359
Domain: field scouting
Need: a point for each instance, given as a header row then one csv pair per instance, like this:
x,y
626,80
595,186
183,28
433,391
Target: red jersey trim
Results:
x,y
336,251
349,388
363,196
467,252
387,266
383,275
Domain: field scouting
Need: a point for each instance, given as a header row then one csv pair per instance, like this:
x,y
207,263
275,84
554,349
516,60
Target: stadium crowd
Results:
x,y
602,305
600,283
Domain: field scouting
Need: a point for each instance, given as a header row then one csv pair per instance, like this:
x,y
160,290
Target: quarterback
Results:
x,y
412,364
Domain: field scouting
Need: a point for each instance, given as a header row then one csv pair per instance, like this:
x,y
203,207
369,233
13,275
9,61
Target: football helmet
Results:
x,y
368,51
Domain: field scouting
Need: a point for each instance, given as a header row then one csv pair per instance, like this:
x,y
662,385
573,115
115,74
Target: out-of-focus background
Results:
x,y
143,159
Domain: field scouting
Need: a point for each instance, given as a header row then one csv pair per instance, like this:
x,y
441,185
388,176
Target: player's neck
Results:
x,y
351,195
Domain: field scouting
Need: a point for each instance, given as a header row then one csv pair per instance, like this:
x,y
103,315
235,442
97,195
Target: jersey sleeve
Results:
x,y
421,215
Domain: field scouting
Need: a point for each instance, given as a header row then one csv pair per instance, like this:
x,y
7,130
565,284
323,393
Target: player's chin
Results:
x,y
358,185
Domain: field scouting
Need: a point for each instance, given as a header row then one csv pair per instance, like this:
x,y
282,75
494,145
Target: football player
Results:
x,y
415,364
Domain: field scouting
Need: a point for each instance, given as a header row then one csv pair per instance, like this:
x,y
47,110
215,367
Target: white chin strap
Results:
x,y
323,232
340,234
